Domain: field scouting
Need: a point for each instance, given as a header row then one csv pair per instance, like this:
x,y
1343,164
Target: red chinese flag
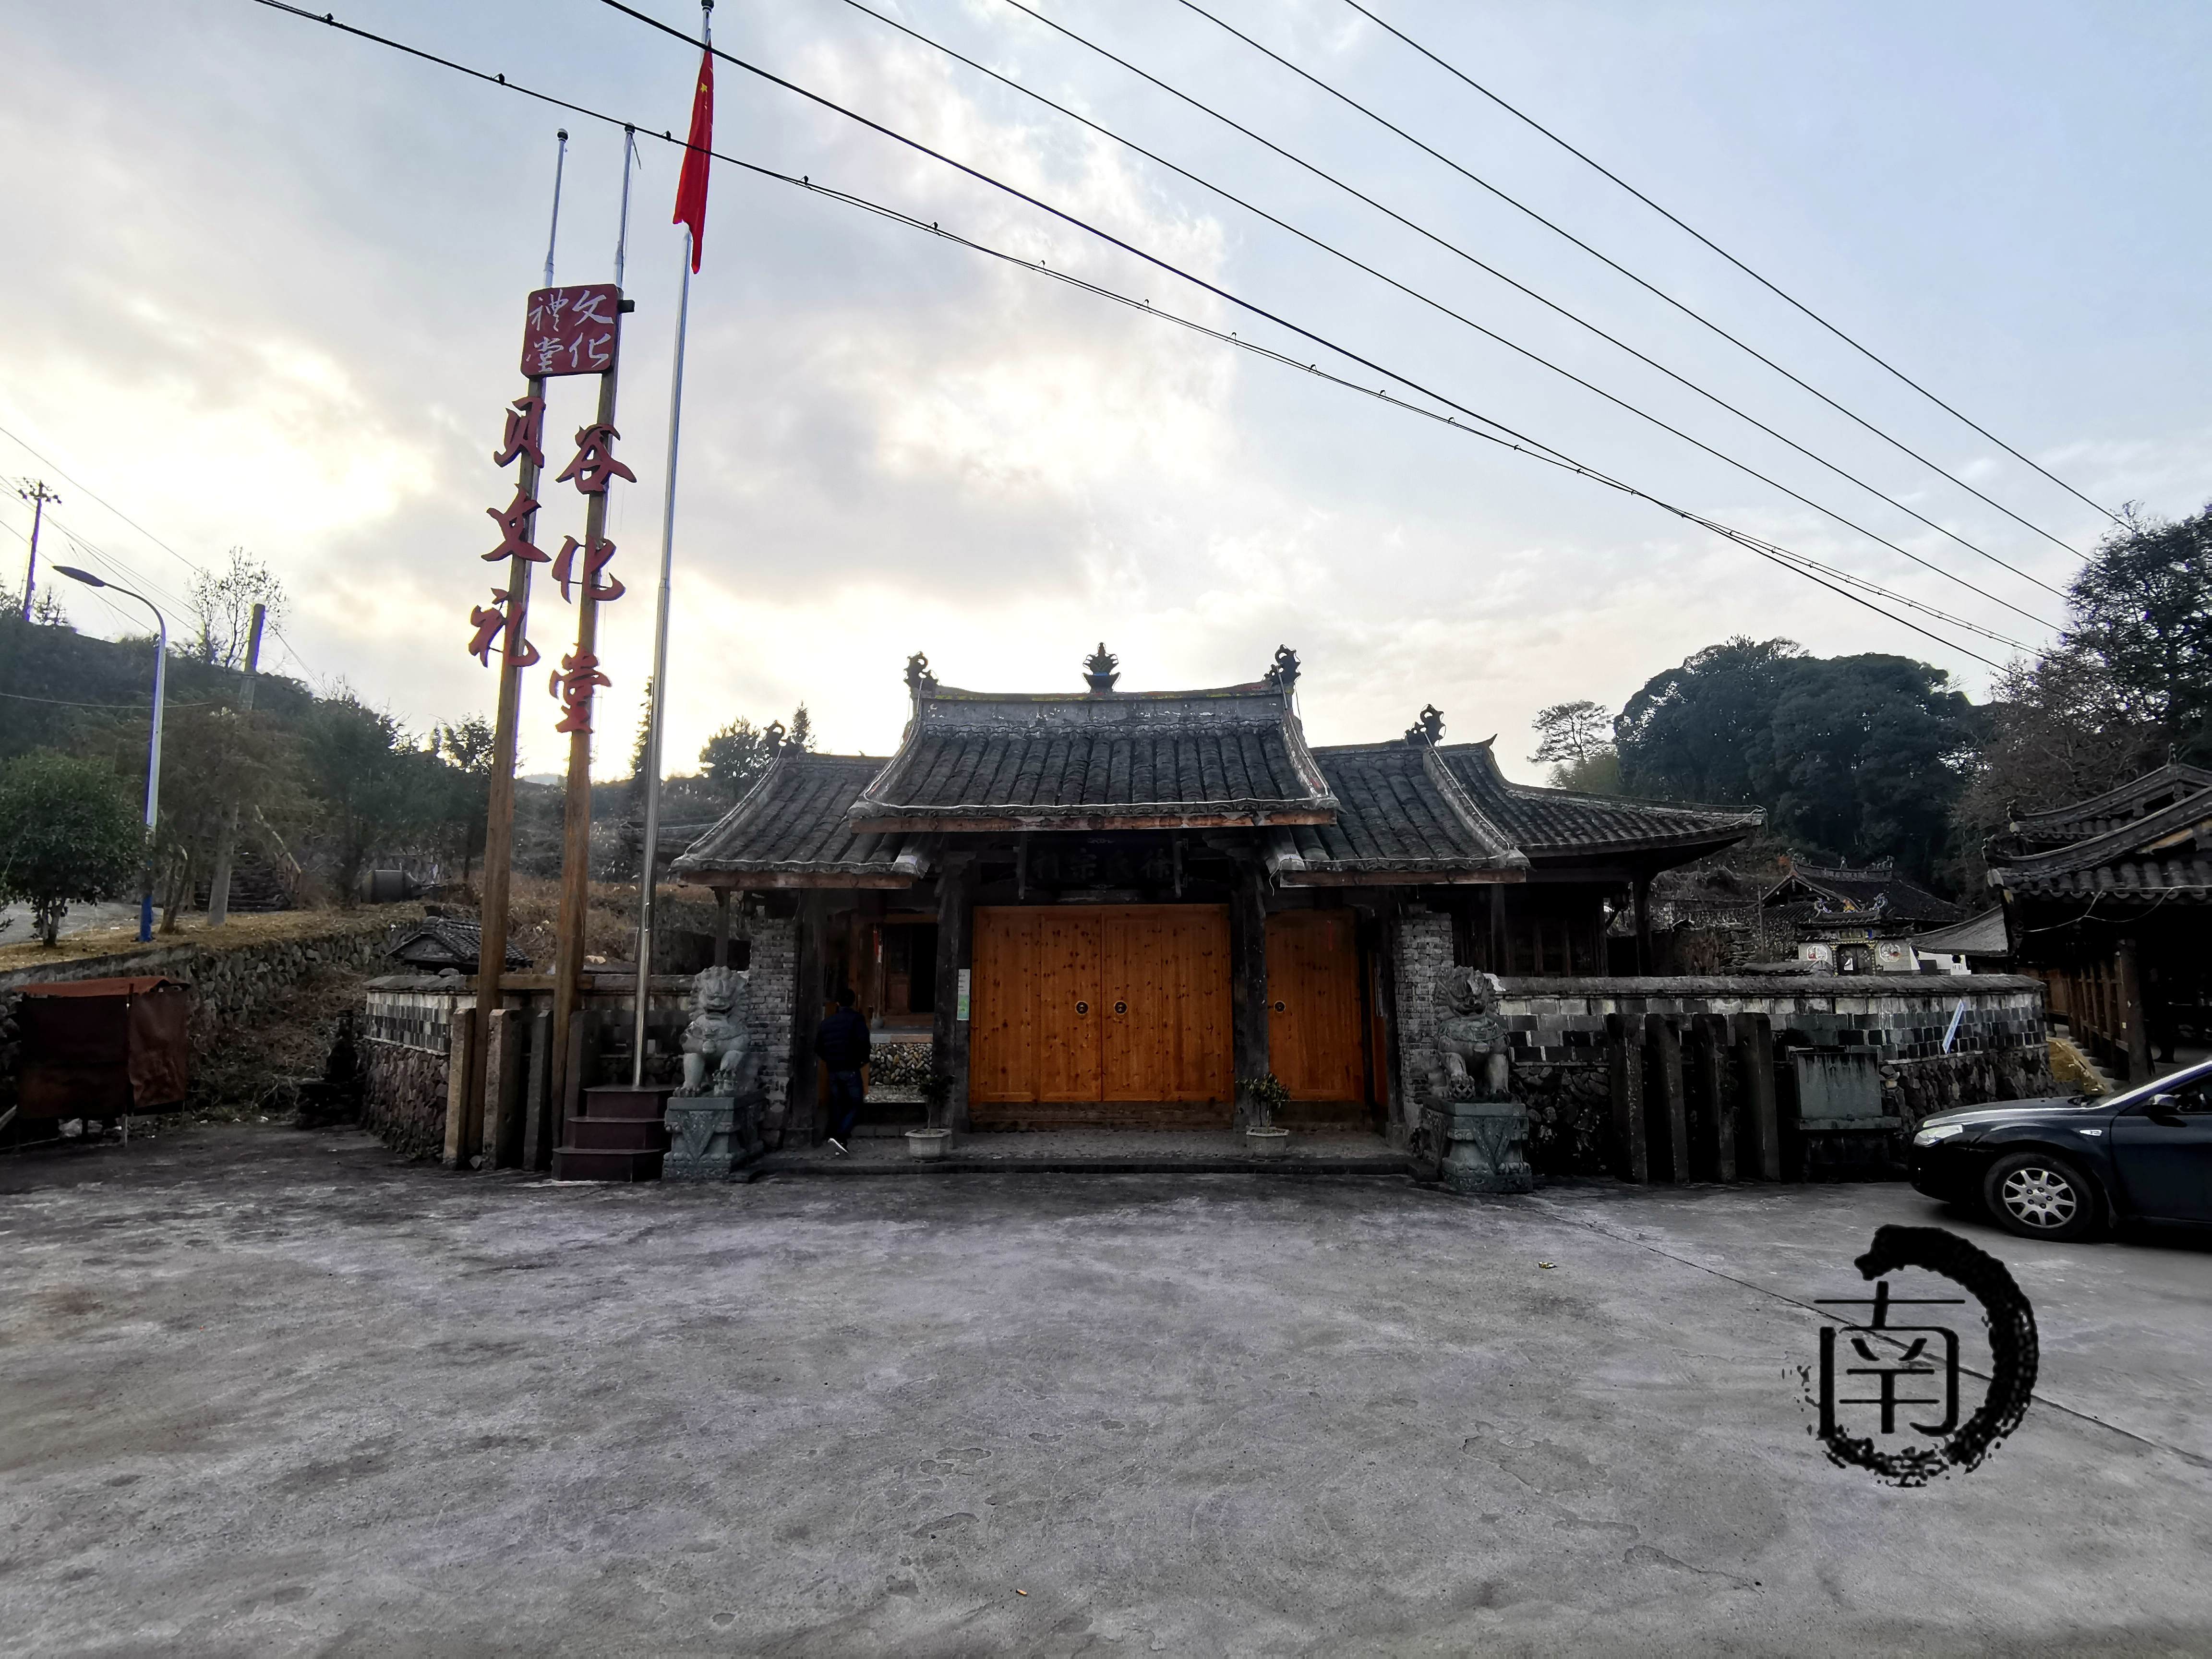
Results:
x,y
691,188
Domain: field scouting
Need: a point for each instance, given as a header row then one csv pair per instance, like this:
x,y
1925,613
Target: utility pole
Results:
x,y
38,494
218,911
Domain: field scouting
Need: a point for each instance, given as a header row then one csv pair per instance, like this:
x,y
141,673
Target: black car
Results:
x,y
2064,1169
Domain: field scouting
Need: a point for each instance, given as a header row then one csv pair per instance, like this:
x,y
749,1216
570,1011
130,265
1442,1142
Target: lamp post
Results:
x,y
153,744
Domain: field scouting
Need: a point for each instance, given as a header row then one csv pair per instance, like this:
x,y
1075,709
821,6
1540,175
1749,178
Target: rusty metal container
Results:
x,y
103,1048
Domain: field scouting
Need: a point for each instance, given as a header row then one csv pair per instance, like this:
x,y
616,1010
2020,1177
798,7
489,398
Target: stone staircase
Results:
x,y
620,1134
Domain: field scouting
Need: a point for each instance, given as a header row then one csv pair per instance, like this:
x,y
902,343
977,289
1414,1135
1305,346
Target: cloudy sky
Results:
x,y
265,291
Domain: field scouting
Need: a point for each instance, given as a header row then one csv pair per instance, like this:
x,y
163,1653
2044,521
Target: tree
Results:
x,y
212,757
223,608
376,791
1570,730
67,835
735,757
2142,614
1697,733
1860,757
1576,737
466,750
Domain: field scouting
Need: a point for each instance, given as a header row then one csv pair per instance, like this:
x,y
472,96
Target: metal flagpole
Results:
x,y
659,684
553,231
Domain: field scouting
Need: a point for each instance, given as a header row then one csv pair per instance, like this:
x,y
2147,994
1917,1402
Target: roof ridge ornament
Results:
x,y
1285,674
1099,669
772,739
919,679
1429,729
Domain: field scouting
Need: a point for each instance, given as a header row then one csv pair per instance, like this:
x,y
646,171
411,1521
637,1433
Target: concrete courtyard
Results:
x,y
270,1392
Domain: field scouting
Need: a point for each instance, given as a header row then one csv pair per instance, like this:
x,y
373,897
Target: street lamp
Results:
x,y
153,744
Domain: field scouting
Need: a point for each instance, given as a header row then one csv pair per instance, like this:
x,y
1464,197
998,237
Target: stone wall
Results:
x,y
1556,1031
232,984
771,990
403,1100
1420,956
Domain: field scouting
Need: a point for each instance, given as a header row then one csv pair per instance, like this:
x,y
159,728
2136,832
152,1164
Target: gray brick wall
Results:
x,y
771,986
1422,955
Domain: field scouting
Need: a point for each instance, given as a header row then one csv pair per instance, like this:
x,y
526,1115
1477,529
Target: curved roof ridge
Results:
x,y
2150,781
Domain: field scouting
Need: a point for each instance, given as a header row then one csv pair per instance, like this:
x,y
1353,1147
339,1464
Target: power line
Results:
x,y
1641,283
1511,345
1864,352
1518,443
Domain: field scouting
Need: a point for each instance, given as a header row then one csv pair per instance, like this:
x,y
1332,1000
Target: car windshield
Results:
x,y
2170,1083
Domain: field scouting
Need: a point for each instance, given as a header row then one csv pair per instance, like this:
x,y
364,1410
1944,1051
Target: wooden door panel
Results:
x,y
1167,1003
1002,1013
1313,1004
1070,1023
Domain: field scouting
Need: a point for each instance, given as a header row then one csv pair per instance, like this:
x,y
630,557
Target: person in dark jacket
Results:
x,y
843,1043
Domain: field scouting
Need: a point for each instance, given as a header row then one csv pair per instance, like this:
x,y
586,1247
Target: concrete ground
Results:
x,y
270,1392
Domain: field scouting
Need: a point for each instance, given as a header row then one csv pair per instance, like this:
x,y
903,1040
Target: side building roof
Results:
x,y
794,829
2099,814
2164,855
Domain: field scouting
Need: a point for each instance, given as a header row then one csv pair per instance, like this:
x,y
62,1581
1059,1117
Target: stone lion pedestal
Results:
x,y
1473,1136
1476,1146
715,1119
711,1135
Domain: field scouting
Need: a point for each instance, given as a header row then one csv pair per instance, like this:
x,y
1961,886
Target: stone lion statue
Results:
x,y
716,1040
1471,1061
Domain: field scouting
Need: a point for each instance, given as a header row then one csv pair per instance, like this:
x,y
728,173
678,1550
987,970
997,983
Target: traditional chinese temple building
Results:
x,y
1854,920
2105,901
1108,907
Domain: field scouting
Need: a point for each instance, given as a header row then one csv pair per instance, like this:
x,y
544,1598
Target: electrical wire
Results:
x,y
1648,286
1517,442
1788,299
1534,356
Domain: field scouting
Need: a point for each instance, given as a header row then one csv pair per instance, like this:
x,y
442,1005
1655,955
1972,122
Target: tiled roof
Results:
x,y
1810,891
445,942
1548,823
2166,852
795,822
1978,936
1399,809
2133,800
1110,760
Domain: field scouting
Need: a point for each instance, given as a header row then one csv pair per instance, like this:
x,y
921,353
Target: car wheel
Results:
x,y
2040,1195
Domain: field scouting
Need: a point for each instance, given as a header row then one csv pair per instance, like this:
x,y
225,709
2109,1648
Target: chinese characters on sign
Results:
x,y
568,331
571,683
572,330
595,466
490,625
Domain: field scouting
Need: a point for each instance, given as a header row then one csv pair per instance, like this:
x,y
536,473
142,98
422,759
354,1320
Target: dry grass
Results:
x,y
610,922
289,1040
239,931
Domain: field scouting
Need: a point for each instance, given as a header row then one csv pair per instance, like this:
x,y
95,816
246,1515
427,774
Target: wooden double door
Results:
x,y
1079,1013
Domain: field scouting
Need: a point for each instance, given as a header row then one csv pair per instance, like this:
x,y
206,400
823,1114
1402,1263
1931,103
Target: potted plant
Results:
x,y
1268,1096
930,1140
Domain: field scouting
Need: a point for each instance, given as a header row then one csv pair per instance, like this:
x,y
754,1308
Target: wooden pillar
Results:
x,y
1247,982
461,1130
2134,1013
722,927
1501,963
1669,1129
948,1024
1642,893
802,1111
1713,1098
1624,1050
1757,1120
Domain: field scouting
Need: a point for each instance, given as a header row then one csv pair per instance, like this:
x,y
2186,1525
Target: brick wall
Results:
x,y
1421,954
771,986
